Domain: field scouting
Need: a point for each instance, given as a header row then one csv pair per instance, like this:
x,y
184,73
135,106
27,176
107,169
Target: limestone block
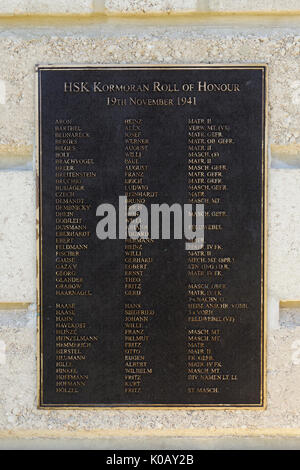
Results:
x,y
150,6
45,7
213,6
17,372
284,351
17,236
283,234
254,5
290,316
83,7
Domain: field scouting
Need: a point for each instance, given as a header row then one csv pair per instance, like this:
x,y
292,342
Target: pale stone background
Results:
x,y
123,31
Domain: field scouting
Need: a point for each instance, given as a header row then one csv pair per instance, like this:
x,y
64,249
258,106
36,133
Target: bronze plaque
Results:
x,y
145,321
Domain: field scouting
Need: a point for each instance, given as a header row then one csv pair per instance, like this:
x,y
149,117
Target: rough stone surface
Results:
x,y
45,7
17,237
254,5
218,6
283,246
151,6
283,234
83,7
290,317
21,50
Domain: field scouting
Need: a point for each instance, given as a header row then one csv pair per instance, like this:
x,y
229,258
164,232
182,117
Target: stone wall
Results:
x,y
83,31
141,7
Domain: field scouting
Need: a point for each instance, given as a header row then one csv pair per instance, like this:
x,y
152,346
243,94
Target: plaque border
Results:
x,y
264,254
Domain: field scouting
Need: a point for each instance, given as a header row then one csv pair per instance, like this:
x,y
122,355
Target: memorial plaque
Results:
x,y
137,315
